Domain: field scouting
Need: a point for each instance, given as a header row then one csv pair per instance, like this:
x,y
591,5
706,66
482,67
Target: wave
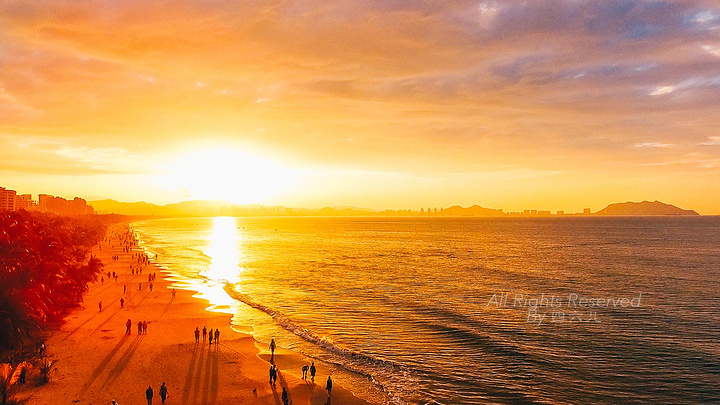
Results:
x,y
354,357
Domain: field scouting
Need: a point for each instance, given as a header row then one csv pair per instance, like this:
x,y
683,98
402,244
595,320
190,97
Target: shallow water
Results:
x,y
471,310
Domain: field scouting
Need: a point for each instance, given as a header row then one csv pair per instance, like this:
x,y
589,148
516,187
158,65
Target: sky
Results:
x,y
553,105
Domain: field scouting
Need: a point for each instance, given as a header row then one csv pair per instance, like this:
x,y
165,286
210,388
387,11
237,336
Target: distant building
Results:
x,y
560,213
7,199
526,212
586,211
533,212
43,201
24,202
10,200
544,213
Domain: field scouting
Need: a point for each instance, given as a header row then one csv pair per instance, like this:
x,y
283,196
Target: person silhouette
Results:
x,y
210,336
149,395
272,350
128,325
312,371
163,392
197,335
328,386
122,302
305,369
100,306
217,336
204,333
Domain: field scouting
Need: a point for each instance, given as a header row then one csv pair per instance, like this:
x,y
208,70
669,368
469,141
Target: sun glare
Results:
x,y
224,264
228,174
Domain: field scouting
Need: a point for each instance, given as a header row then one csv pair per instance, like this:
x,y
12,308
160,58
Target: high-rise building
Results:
x,y
43,200
7,199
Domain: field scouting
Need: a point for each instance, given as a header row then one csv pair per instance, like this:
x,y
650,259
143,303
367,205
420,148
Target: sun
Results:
x,y
228,174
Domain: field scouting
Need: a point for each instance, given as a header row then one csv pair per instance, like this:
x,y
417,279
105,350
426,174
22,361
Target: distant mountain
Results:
x,y
644,208
126,208
474,211
208,208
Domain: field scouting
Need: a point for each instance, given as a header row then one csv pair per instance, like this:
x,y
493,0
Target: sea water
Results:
x,y
470,310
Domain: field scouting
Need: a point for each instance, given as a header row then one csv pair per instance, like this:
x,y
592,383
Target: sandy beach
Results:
x,y
98,362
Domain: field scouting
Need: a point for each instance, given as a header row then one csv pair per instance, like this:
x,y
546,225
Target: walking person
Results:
x,y
128,325
139,325
100,306
144,327
328,386
149,395
305,369
312,371
197,335
210,336
272,350
272,374
163,392
217,336
122,302
204,333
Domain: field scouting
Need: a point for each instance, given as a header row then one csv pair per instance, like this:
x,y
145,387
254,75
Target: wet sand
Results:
x,y
98,362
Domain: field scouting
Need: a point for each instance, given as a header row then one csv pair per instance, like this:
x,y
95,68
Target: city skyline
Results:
x,y
11,200
554,105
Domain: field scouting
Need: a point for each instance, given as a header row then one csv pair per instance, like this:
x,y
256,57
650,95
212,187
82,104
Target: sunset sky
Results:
x,y
554,105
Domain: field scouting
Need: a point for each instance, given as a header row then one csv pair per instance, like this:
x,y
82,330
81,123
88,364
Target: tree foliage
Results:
x,y
44,269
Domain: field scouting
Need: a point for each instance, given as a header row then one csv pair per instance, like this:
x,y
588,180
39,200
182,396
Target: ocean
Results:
x,y
429,310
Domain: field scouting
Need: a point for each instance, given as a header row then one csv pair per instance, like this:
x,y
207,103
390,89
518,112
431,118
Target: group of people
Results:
x,y
305,368
110,275
310,368
149,393
207,335
274,371
141,327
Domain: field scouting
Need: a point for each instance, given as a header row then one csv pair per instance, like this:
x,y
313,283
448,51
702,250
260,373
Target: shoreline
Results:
x,y
98,362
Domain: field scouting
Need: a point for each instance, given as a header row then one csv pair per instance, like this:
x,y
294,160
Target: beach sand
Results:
x,y
98,362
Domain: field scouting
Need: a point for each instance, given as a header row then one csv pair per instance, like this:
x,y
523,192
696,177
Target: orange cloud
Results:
x,y
424,89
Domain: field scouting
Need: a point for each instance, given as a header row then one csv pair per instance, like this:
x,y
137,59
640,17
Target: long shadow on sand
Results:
x,y
72,332
123,361
104,323
99,369
167,307
207,369
189,375
198,377
214,378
